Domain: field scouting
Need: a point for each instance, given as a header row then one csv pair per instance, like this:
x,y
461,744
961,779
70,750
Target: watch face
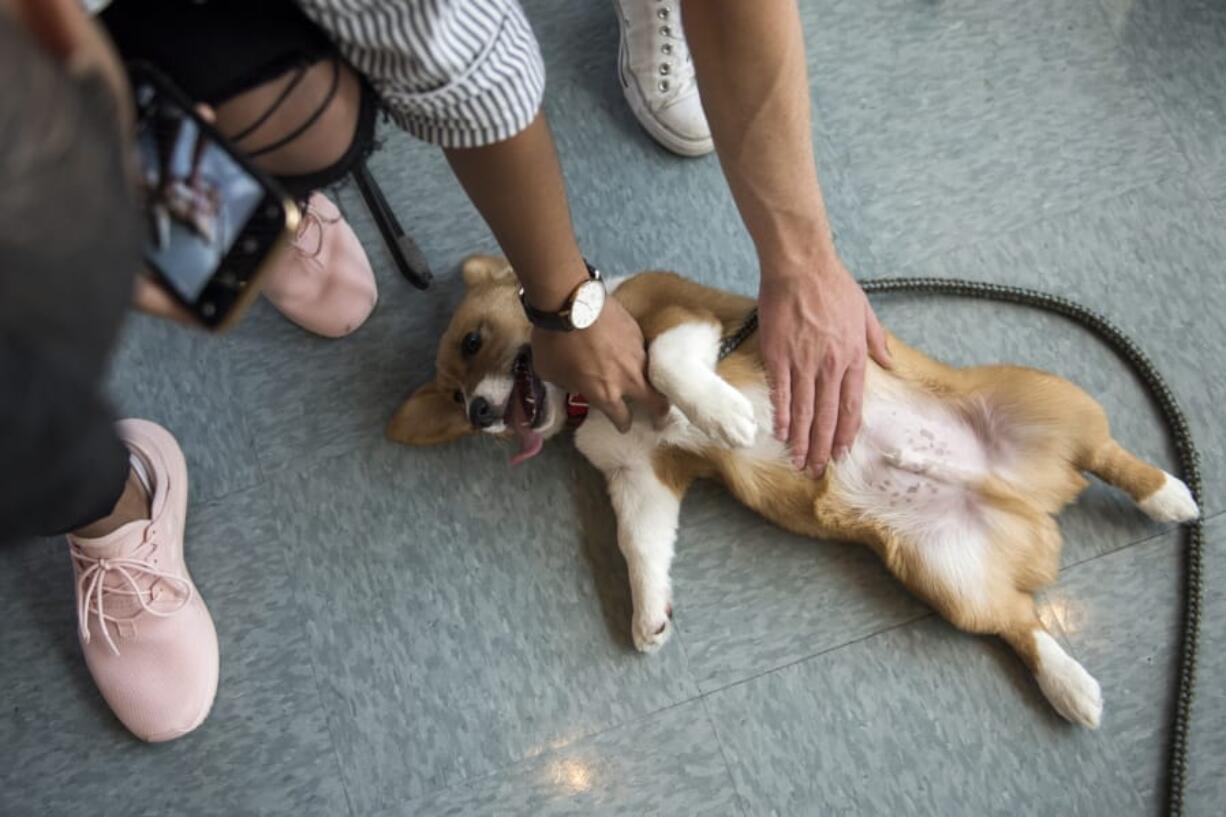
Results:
x,y
589,300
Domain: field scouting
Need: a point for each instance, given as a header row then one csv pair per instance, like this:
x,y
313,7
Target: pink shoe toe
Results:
x,y
323,282
146,633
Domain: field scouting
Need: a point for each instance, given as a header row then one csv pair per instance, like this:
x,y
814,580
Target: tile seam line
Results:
x,y
1167,127
1143,540
319,696
381,808
926,614
723,753
703,694
738,804
930,614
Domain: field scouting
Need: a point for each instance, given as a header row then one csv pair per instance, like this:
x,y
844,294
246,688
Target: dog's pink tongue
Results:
x,y
530,442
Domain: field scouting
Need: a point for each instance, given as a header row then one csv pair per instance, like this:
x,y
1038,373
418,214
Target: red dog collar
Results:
x,y
576,410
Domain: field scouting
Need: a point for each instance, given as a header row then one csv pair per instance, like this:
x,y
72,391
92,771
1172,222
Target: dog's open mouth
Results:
x,y
525,407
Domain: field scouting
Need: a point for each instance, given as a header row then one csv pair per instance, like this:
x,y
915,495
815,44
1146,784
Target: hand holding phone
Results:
x,y
213,220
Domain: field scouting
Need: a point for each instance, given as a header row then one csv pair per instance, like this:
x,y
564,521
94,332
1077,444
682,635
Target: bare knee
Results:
x,y
312,124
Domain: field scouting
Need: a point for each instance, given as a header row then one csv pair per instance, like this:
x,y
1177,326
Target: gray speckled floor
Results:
x,y
412,633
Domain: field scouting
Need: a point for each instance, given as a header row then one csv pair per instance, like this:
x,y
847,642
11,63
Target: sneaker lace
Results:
x,y
675,70
92,590
310,217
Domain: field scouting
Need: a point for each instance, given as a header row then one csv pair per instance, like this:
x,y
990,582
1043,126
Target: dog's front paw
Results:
x,y
650,632
726,416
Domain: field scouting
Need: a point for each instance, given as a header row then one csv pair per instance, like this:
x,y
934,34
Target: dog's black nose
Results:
x,y
481,413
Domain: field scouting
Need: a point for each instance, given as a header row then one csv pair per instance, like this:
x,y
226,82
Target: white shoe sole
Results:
x,y
659,131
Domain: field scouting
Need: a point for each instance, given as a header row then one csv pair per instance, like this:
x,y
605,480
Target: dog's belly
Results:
x,y
915,468
913,448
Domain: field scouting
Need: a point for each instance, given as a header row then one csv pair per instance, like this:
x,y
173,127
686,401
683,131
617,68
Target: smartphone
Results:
x,y
214,222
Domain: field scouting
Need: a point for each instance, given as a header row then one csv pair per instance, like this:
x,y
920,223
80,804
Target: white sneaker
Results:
x,y
657,76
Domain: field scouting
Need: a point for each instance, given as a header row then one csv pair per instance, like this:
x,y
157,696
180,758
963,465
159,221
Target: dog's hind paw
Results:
x,y
1071,690
1172,502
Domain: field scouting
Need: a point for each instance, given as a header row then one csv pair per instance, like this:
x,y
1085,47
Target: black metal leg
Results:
x,y
409,258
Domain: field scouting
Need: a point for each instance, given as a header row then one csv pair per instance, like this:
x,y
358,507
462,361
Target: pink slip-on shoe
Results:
x,y
323,282
147,636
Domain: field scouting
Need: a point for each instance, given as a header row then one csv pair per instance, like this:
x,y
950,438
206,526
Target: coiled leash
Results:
x,y
1185,450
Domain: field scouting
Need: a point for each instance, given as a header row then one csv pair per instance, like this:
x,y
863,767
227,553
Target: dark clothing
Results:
x,y
69,248
455,73
215,51
63,465
62,301
458,73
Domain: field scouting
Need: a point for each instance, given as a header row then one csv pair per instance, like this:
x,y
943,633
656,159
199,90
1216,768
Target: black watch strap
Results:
x,y
555,321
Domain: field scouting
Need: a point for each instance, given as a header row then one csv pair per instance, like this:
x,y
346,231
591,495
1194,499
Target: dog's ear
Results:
x,y
486,269
431,416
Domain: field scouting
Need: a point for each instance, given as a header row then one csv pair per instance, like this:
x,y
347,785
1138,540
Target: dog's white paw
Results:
x,y
652,625
1172,502
1071,690
675,420
726,416
650,634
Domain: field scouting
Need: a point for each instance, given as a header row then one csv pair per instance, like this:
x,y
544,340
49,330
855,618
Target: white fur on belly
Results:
x,y
914,467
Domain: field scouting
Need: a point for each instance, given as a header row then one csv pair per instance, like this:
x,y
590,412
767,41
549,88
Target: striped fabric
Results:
x,y
457,73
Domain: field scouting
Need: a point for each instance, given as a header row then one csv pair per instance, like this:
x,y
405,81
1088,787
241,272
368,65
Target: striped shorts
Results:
x,y
456,73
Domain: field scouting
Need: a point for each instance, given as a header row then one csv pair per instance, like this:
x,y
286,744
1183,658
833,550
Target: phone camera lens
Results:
x,y
208,309
250,245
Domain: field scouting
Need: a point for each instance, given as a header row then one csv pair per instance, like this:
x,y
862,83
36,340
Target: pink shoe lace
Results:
x,y
311,217
92,590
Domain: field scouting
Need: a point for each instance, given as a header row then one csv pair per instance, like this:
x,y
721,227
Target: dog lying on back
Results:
x,y
954,478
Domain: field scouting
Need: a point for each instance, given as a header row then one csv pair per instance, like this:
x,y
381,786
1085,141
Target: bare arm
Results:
x,y
517,186
816,322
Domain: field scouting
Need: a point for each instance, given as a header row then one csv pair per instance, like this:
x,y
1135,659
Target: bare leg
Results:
x,y
321,144
502,179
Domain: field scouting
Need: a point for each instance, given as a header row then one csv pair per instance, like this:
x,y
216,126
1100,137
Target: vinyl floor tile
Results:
x,y
265,749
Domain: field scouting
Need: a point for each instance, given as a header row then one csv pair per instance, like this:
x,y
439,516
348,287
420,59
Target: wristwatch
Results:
x,y
580,311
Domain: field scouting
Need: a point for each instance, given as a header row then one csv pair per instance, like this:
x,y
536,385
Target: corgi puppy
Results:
x,y
953,480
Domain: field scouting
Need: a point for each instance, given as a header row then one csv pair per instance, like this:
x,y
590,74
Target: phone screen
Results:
x,y
198,198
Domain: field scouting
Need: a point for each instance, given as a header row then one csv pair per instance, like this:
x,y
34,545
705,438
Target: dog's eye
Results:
x,y
470,344
459,396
